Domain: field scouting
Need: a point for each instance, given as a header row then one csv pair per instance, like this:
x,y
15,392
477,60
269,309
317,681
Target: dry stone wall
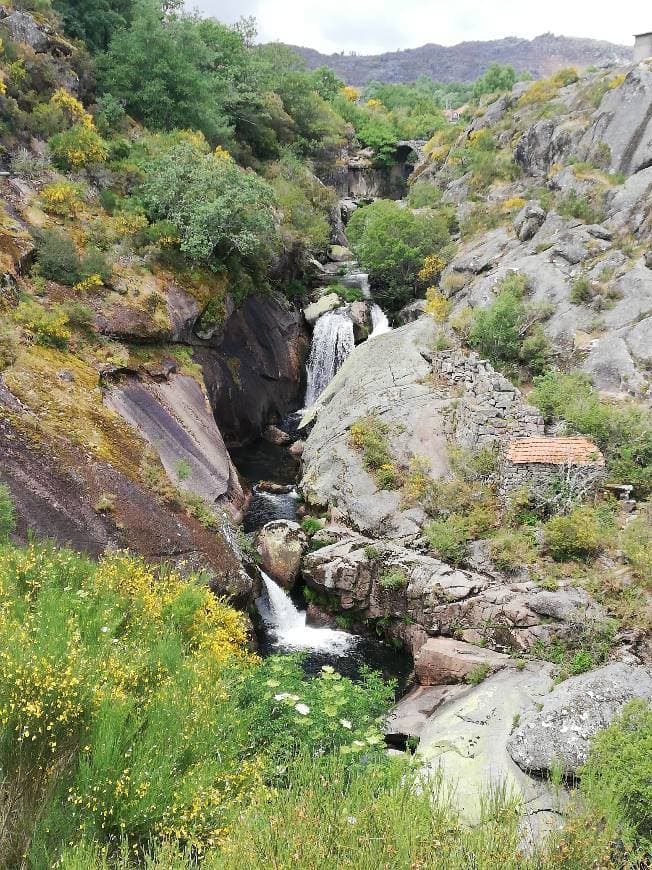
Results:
x,y
490,408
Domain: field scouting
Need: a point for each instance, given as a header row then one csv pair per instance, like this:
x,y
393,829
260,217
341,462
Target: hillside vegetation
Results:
x,y
164,218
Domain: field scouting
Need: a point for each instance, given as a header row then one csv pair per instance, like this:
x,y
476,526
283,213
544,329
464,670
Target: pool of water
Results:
x,y
282,627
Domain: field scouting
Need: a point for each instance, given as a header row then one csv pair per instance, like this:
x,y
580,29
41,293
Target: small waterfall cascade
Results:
x,y
288,626
332,342
379,321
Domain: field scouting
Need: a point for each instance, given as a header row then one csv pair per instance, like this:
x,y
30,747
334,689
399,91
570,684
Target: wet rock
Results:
x,y
274,488
446,660
281,545
254,371
411,312
648,259
296,449
559,733
274,435
318,617
326,303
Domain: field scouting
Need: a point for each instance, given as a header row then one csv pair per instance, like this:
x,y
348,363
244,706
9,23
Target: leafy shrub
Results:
x,y
62,198
581,291
636,544
9,344
30,166
432,268
477,675
46,327
579,535
77,148
437,306
57,258
218,209
449,538
473,465
581,206
388,476
369,434
392,243
542,91
311,525
394,578
7,513
564,77
617,778
508,331
424,194
512,550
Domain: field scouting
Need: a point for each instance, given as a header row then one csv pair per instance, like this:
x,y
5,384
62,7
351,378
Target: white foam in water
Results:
x,y
288,624
332,342
379,321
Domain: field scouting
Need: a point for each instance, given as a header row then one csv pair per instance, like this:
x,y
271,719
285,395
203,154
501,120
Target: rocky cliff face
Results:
x,y
467,61
591,223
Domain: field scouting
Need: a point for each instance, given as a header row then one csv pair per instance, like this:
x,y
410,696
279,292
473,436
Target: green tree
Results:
x,y
499,77
392,243
95,22
221,211
163,69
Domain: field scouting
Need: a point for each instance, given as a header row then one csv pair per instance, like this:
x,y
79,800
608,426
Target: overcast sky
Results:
x,y
372,26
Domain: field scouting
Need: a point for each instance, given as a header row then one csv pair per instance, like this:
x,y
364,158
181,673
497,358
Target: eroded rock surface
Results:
x,y
559,732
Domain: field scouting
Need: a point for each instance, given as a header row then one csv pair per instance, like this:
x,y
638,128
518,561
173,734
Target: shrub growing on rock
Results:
x,y
78,147
7,513
579,535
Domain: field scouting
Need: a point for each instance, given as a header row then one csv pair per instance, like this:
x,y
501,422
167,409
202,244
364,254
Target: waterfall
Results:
x,y
288,624
332,342
379,321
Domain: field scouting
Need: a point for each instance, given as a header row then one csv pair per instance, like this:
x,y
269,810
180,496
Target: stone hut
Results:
x,y
539,463
642,46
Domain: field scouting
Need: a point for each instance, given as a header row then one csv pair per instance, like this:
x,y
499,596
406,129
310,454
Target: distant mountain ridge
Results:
x,y
464,62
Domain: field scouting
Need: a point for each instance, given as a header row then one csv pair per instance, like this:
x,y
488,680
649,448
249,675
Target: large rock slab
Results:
x,y
409,717
386,376
465,742
444,660
624,122
281,545
559,733
327,302
176,420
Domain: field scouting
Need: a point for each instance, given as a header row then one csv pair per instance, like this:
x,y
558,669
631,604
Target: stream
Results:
x,y
283,624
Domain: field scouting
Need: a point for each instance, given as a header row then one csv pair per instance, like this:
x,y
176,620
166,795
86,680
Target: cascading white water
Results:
x,y
288,626
379,321
332,342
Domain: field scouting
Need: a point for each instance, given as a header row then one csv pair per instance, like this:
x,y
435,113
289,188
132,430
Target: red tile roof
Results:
x,y
554,451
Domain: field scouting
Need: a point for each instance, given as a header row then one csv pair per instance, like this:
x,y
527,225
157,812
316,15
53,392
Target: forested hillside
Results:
x,y
199,236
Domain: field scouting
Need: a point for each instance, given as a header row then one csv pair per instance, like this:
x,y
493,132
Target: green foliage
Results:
x,y
449,538
57,259
219,210
163,69
9,343
424,194
581,291
48,327
581,206
622,430
581,534
498,78
311,525
392,243
477,675
394,578
132,710
617,778
303,200
78,147
30,166
473,465
182,469
512,550
94,21
7,513
636,544
508,332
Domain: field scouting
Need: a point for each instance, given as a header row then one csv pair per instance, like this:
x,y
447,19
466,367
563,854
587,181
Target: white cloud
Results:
x,y
372,26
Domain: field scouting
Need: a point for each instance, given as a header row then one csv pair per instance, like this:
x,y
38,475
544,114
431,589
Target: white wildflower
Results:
x,y
346,724
304,709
